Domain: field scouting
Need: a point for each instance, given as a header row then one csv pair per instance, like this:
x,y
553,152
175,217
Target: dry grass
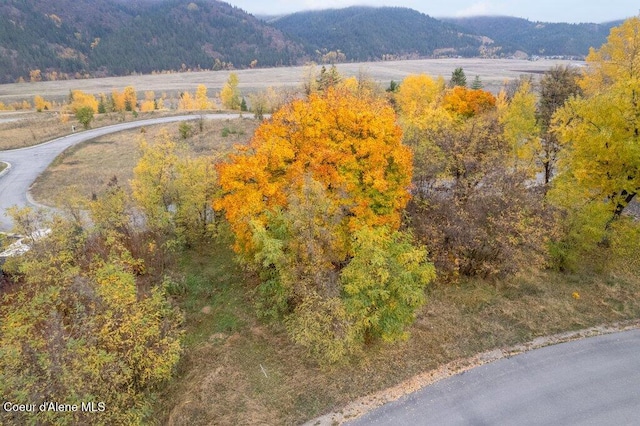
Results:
x,y
19,130
221,378
30,129
86,168
493,72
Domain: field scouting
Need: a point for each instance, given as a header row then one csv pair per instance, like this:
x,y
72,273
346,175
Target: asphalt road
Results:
x,y
594,381
28,163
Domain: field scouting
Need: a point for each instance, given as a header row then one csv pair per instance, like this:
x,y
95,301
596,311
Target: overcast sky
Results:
x,y
534,10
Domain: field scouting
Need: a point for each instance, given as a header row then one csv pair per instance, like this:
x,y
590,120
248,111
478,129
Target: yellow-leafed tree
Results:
x,y
186,102
80,329
320,182
230,94
80,99
518,116
41,104
130,99
601,131
202,102
149,104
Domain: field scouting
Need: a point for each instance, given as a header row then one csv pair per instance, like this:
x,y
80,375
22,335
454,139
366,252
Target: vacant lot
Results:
x,y
493,73
22,129
85,169
239,370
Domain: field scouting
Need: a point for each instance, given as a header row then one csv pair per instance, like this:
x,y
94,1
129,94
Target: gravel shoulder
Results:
x,y
369,403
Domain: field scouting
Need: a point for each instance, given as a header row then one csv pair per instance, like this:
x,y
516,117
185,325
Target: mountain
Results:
x,y
81,38
116,37
512,35
367,33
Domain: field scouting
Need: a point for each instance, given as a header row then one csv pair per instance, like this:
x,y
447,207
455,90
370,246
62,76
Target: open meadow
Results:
x,y
492,72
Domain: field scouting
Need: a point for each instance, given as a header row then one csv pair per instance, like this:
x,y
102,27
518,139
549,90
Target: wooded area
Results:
x,y
346,206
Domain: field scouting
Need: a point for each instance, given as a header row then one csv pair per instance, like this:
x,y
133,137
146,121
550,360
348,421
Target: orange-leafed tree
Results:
x,y
468,102
315,203
350,144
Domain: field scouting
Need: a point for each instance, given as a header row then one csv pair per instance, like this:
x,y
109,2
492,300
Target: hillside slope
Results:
x,y
101,37
511,35
94,38
367,33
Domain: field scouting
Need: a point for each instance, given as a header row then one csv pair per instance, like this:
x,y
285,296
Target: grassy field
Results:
x,y
86,168
493,73
22,129
238,370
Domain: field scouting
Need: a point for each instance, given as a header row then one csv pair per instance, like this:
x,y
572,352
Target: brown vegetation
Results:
x,y
86,169
33,128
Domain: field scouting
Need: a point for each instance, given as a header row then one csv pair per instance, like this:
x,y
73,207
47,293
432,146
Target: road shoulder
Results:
x,y
363,405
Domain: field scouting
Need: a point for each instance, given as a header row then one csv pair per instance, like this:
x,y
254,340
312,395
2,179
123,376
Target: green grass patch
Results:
x,y
237,370
226,131
3,166
211,293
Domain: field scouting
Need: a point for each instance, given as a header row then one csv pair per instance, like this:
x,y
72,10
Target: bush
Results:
x,y
474,212
81,328
85,116
185,130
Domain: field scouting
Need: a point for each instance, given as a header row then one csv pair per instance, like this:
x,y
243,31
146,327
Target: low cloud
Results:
x,y
479,8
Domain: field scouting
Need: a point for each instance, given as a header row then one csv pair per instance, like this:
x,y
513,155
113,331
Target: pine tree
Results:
x,y
477,83
458,78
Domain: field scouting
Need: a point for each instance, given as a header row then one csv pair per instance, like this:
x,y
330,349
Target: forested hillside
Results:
x,y
67,39
510,35
367,33
50,40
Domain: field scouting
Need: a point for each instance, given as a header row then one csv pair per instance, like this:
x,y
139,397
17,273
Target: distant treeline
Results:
x,y
41,40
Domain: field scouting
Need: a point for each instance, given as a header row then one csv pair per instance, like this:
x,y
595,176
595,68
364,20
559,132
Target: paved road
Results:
x,y
28,163
594,381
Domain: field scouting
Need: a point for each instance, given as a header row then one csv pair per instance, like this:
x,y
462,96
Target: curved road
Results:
x,y
594,381
28,163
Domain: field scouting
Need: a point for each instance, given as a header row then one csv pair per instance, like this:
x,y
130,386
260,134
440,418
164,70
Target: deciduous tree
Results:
x,y
175,192
230,94
202,102
80,99
130,98
149,104
41,104
351,145
85,116
518,116
319,172
467,103
78,328
601,132
556,86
